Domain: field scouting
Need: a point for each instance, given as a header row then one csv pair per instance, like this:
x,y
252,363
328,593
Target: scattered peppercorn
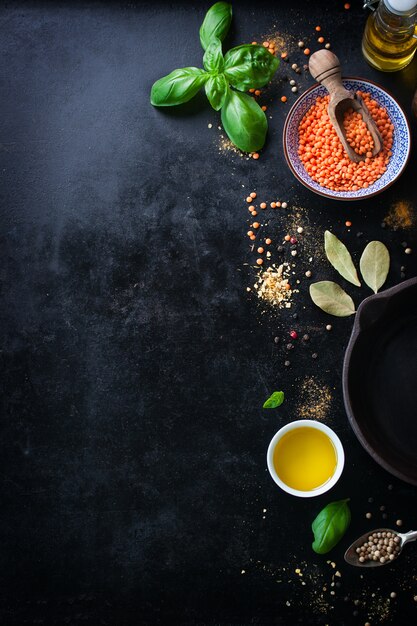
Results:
x,y
284,205
258,92
292,82
327,46
287,363
250,233
314,355
276,339
293,252
293,240
264,108
294,334
308,274
347,6
294,89
290,346
368,515
392,594
408,250
294,66
306,337
301,44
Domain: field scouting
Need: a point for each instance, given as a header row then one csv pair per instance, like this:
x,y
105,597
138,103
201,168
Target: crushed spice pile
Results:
x,y
315,400
401,215
273,286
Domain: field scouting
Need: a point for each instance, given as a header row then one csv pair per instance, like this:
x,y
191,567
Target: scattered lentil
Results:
x,y
258,92
263,205
318,28
283,98
259,261
273,205
255,156
268,241
260,250
306,51
253,195
348,224
255,225
320,39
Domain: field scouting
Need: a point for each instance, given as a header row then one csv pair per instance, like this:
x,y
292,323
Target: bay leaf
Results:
x,y
374,265
331,298
339,257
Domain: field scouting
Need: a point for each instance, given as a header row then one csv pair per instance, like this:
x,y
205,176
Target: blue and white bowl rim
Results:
x,y
400,149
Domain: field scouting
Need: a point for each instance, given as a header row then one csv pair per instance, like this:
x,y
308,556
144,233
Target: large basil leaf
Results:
x,y
244,121
216,23
330,525
213,56
216,91
249,66
178,87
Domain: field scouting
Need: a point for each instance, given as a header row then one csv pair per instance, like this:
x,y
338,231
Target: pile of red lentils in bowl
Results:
x,y
322,153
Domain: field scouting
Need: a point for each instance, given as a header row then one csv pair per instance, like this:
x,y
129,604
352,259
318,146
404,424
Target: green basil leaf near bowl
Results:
x,y
249,66
330,525
244,121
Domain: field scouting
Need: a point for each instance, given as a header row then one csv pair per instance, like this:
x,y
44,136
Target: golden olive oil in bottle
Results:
x,y
390,38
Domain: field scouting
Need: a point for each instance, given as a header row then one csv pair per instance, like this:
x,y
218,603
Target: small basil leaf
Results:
x,y
244,121
249,66
339,257
330,525
275,400
178,87
213,56
216,23
216,91
331,298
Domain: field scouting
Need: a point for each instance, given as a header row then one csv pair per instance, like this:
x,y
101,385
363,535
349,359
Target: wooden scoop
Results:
x,y
324,67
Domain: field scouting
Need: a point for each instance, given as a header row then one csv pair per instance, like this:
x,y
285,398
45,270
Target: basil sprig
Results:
x,y
242,68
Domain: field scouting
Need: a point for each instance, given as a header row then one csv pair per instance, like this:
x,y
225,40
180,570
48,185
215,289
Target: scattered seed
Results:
x,y
327,46
284,206
368,515
399,522
306,337
314,355
294,66
294,89
292,82
300,230
408,250
392,594
287,363
308,274
329,327
301,44
293,252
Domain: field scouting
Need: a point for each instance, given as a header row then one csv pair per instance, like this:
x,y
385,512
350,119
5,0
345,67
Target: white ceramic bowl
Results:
x,y
400,147
340,455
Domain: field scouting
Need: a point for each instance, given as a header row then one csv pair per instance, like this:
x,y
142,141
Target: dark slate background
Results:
x,y
135,364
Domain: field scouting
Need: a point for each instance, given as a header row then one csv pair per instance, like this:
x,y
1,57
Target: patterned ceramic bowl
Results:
x,y
400,148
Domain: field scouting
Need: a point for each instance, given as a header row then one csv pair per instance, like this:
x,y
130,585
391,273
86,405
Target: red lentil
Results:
x,y
324,157
306,51
263,205
268,241
283,98
255,156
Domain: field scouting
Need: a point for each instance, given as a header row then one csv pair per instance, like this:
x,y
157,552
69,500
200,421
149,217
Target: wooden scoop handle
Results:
x,y
324,67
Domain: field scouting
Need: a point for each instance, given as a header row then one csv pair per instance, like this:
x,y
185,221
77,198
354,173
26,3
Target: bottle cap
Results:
x,y
401,6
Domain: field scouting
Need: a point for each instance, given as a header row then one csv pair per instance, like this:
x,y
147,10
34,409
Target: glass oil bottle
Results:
x,y
390,38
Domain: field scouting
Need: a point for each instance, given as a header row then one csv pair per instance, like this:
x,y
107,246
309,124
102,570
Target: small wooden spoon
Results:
x,y
324,67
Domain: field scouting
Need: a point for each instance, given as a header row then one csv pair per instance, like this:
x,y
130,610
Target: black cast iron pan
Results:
x,y
380,379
